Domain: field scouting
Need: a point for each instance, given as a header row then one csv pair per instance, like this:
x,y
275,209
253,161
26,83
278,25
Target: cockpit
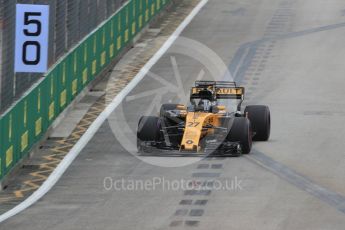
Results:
x,y
203,105
205,102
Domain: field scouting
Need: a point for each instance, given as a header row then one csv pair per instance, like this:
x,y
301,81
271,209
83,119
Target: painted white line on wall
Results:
x,y
91,131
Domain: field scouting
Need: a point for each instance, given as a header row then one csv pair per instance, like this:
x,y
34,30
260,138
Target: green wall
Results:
x,y
25,123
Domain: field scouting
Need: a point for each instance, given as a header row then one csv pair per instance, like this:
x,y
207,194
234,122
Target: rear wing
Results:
x,y
219,90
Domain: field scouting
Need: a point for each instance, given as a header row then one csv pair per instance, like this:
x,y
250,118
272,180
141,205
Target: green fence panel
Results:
x,y
22,127
131,19
118,32
135,13
36,125
49,86
147,11
91,55
158,5
54,92
64,91
152,8
78,68
30,116
41,104
71,74
124,28
140,14
111,32
86,63
98,39
102,42
109,38
130,16
8,139
67,63
96,46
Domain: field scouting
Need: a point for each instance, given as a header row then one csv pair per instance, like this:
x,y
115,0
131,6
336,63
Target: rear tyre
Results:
x,y
240,131
149,130
260,119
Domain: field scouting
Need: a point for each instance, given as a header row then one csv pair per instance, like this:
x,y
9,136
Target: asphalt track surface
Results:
x,y
289,55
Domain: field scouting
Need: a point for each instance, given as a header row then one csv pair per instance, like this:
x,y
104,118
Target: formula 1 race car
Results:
x,y
205,126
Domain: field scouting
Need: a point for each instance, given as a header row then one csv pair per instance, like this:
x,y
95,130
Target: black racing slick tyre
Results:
x,y
260,118
149,129
166,107
240,131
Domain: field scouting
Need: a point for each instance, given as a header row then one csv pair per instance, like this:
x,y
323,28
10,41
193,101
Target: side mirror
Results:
x,y
181,107
221,107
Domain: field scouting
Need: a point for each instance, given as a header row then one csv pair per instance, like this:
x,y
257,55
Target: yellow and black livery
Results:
x,y
206,125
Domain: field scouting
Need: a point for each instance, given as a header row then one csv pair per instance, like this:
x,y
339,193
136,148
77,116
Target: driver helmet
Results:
x,y
206,104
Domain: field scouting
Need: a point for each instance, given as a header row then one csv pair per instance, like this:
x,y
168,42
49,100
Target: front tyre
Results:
x,y
260,118
240,131
149,130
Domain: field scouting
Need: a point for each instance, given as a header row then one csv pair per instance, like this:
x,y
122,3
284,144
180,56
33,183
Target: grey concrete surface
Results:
x,y
289,55
69,122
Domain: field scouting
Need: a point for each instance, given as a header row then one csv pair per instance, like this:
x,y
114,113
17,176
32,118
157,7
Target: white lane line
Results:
x,y
91,131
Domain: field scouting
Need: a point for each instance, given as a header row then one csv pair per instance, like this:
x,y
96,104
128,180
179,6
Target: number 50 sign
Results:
x,y
32,30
